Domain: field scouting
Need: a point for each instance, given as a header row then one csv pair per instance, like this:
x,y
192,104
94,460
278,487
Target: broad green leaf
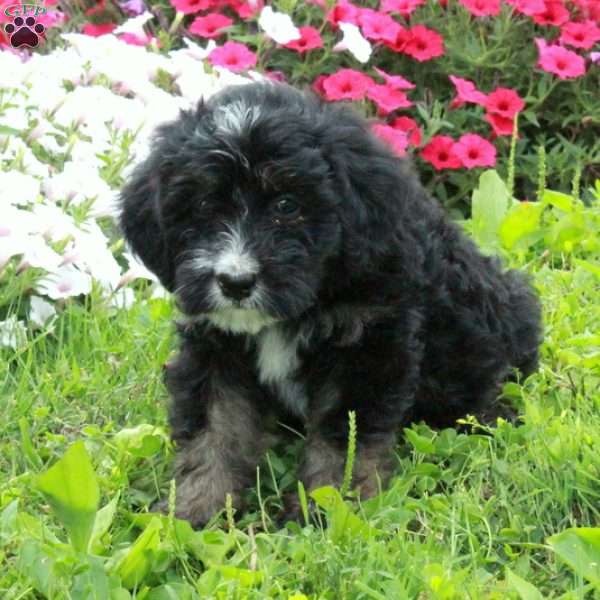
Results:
x,y
580,549
71,489
93,583
521,222
526,590
8,521
102,523
567,232
559,200
419,442
489,207
139,559
173,591
342,521
211,547
588,266
142,441
245,577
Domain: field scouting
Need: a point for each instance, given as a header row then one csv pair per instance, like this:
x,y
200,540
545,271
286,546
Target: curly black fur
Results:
x,y
364,295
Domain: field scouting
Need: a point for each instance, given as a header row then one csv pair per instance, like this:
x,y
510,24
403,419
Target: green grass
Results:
x,y
466,515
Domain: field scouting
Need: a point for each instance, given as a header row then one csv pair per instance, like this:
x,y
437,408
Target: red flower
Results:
x,y
504,102
589,9
475,151
554,13
580,35
559,61
403,7
396,82
482,8
98,30
344,12
317,85
394,137
423,43
528,7
465,92
387,99
409,127
246,8
440,153
500,125
346,84
210,25
378,26
189,7
310,38
233,56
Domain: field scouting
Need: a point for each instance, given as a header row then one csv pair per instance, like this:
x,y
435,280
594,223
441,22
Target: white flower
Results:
x,y
13,333
52,222
15,118
354,42
40,311
278,26
39,255
17,188
135,25
136,271
15,227
64,282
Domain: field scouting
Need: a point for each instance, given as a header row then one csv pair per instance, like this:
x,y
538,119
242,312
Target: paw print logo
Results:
x,y
24,32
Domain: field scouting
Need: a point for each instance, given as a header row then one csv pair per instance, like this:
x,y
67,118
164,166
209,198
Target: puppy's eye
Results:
x,y
287,207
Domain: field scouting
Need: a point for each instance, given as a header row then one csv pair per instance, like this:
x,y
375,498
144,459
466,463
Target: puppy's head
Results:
x,y
259,204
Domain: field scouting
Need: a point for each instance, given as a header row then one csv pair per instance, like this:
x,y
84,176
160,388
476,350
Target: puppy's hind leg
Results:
x,y
220,459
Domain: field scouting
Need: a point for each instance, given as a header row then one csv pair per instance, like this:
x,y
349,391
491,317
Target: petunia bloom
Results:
x,y
378,27
475,151
559,61
482,8
440,153
210,26
409,127
402,7
310,39
504,102
395,138
387,99
233,56
278,26
343,12
354,42
189,7
500,125
554,13
423,43
465,92
346,84
396,82
580,35
97,30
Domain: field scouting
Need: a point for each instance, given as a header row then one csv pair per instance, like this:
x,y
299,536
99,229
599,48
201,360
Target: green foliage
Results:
x,y
509,510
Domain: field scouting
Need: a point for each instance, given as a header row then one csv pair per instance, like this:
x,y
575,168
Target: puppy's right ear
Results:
x,y
141,221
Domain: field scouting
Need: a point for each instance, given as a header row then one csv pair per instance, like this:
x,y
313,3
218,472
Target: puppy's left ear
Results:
x,y
141,221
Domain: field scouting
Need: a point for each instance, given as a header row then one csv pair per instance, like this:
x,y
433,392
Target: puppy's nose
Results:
x,y
238,286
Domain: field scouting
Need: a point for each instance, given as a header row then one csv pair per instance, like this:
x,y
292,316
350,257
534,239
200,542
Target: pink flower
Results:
x,y
465,92
233,56
309,40
580,35
134,39
528,7
210,25
317,85
189,7
595,57
346,84
423,43
409,127
396,82
387,99
403,7
378,26
504,102
99,29
500,125
440,153
554,13
559,61
395,138
246,9
475,151
343,12
482,8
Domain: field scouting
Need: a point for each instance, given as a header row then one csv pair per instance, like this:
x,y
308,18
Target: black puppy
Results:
x,y
316,277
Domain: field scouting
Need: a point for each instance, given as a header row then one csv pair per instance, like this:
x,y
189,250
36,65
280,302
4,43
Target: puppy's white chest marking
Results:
x,y
277,362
